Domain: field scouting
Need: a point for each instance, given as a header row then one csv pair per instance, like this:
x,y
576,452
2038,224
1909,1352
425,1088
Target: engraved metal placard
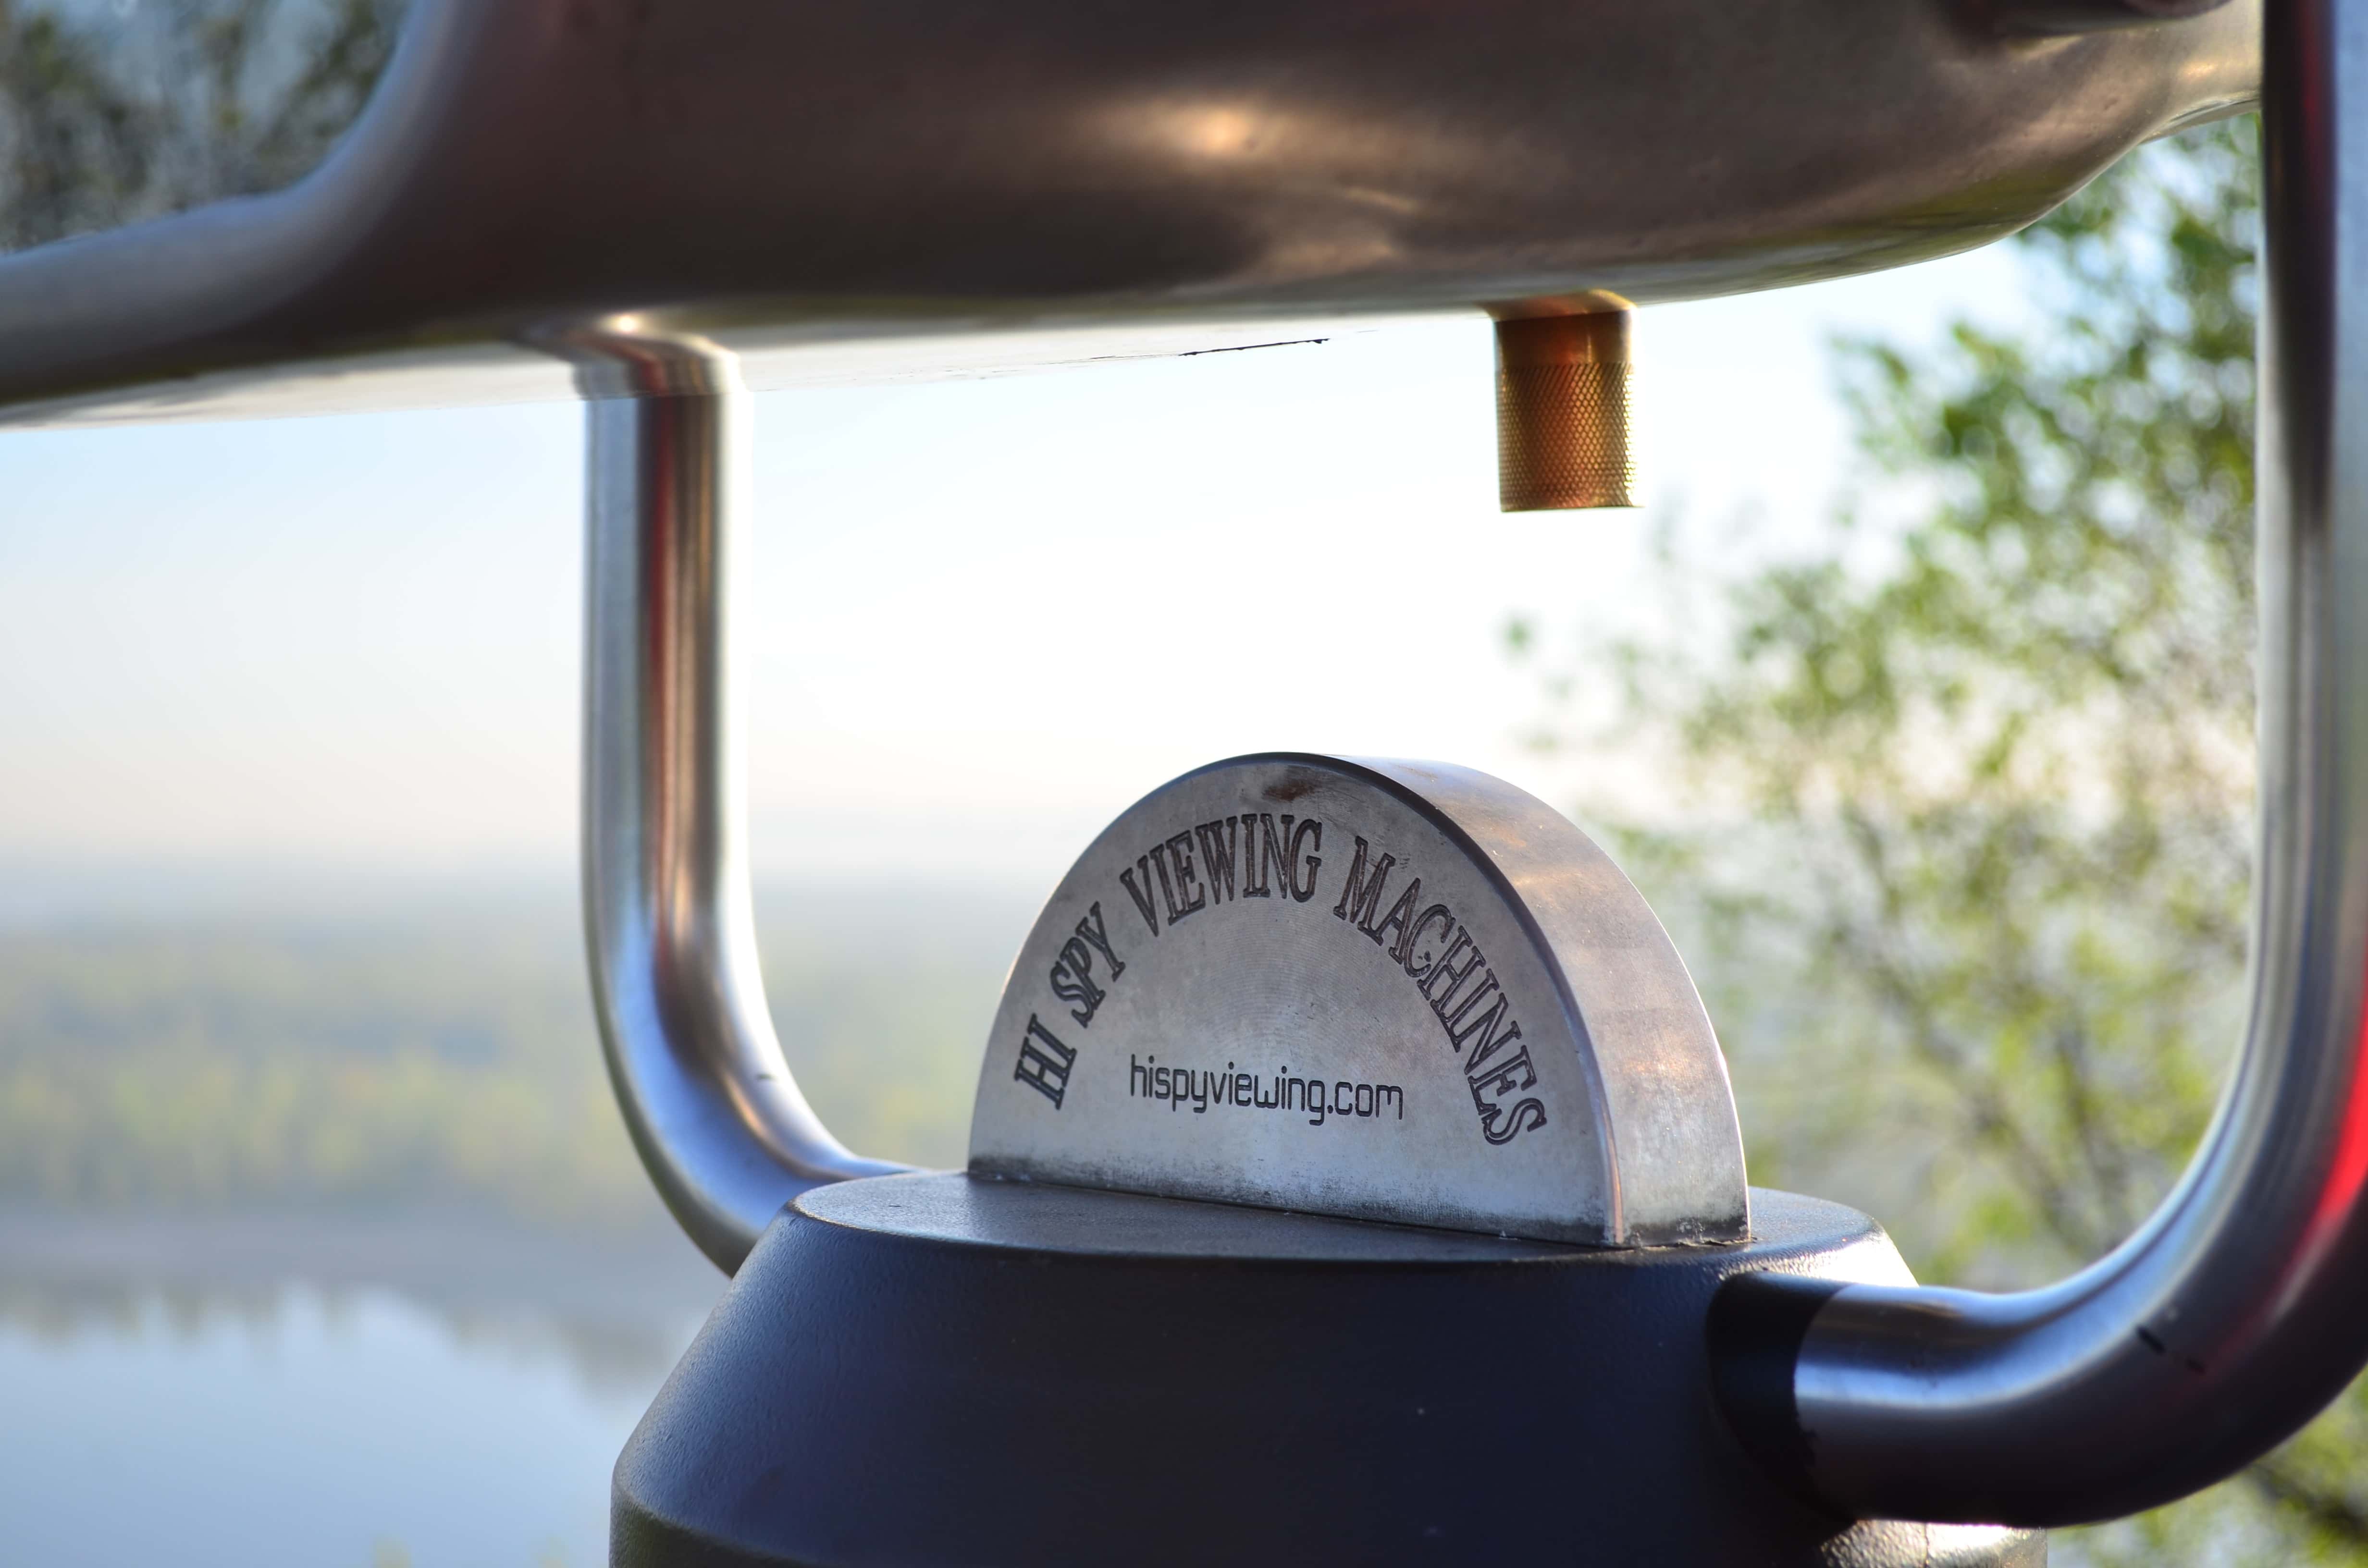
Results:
x,y
1389,989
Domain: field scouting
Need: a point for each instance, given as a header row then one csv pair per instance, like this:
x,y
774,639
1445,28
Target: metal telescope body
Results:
x,y
659,208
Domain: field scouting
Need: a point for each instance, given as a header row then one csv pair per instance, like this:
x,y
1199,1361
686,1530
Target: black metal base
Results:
x,y
932,1369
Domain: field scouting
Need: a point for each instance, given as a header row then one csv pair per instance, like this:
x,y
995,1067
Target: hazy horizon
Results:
x,y
981,616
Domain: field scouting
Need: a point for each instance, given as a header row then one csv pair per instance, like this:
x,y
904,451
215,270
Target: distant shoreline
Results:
x,y
637,1280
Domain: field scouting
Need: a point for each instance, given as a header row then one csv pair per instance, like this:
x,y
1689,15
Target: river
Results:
x,y
325,1391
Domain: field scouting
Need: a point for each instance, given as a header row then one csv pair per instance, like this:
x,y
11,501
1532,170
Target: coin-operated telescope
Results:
x,y
1353,1172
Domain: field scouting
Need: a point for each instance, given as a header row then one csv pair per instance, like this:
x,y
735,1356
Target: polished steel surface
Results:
x,y
710,1102
1387,990
1565,411
2241,1307
784,178
1079,1221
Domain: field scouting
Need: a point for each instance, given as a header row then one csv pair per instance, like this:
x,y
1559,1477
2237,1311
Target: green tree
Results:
x,y
1978,771
112,115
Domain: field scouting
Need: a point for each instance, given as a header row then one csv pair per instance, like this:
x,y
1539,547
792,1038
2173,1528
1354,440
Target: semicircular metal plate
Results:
x,y
1390,989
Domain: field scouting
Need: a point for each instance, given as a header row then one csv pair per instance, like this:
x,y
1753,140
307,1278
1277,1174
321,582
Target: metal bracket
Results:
x,y
710,1102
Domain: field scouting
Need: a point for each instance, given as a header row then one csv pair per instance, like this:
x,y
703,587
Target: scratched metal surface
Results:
x,y
1382,990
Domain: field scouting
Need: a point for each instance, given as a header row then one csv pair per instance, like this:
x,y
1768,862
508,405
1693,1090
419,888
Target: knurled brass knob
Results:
x,y
1565,417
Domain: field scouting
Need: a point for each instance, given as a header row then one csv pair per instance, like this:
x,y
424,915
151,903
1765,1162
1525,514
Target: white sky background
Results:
x,y
984,616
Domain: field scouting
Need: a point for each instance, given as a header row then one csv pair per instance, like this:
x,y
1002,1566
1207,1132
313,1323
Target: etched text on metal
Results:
x,y
1391,990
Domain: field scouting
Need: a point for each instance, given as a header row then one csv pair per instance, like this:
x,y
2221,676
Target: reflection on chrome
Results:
x,y
707,1096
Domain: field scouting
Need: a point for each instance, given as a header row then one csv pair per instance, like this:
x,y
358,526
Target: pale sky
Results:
x,y
984,615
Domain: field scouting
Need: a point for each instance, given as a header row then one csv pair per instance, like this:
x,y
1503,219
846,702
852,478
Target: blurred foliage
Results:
x,y
112,111
1974,914
220,1066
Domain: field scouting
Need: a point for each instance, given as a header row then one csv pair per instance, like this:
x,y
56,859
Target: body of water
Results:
x,y
421,1390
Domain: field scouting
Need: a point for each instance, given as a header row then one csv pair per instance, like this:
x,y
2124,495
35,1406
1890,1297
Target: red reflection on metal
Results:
x,y
2347,1172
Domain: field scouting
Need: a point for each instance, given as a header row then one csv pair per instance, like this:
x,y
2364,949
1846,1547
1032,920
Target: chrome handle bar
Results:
x,y
707,1096
2241,1307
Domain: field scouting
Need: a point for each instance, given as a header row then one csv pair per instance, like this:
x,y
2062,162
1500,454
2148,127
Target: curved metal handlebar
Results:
x,y
2241,1308
709,1100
